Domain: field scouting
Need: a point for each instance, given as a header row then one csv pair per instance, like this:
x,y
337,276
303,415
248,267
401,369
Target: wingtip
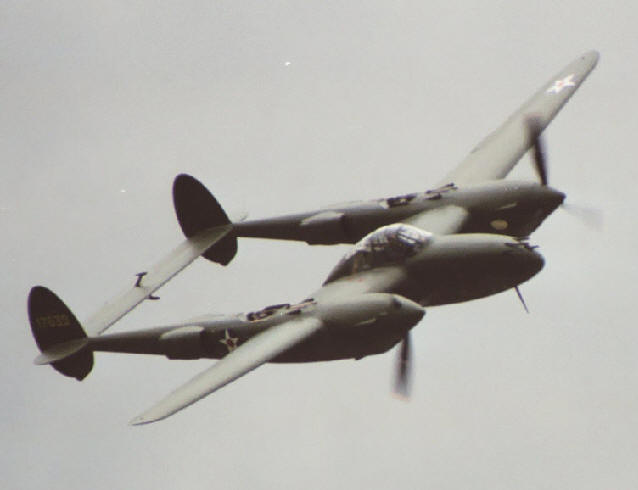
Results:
x,y
592,56
141,420
153,414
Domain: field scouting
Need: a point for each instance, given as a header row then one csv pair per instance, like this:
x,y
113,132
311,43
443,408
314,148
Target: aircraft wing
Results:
x,y
253,353
440,221
157,276
497,154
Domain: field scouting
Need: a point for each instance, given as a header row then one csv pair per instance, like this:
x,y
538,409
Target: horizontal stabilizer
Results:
x,y
197,209
156,277
60,351
258,350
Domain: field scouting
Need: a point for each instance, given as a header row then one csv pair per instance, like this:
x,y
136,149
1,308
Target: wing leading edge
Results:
x,y
497,154
248,356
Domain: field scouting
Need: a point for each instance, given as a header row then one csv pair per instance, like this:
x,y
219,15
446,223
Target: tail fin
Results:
x,y
58,334
197,210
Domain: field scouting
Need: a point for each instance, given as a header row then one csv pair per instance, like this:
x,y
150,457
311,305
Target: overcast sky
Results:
x,y
285,106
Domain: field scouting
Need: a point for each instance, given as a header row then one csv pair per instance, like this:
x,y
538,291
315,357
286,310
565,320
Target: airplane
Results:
x,y
473,198
367,305
438,247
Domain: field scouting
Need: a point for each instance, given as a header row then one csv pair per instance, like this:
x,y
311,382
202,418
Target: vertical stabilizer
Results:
x,y
197,210
58,334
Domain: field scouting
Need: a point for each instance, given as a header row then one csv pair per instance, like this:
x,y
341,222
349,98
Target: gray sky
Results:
x,y
284,106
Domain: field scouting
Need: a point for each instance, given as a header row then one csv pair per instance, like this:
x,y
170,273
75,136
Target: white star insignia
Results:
x,y
559,85
229,342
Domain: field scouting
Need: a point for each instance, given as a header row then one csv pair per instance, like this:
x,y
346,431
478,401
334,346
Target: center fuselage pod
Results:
x,y
433,270
459,268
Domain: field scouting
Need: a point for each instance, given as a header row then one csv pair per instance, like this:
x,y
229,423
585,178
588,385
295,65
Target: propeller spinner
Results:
x,y
592,217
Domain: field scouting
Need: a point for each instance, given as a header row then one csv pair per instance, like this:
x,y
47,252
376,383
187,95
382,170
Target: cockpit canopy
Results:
x,y
387,245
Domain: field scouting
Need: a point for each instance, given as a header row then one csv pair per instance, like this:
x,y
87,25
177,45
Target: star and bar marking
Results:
x,y
559,85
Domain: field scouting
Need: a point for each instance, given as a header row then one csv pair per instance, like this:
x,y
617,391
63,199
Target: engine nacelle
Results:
x,y
368,308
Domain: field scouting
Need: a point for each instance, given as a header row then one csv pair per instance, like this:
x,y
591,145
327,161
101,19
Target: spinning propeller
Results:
x,y
404,368
534,129
590,216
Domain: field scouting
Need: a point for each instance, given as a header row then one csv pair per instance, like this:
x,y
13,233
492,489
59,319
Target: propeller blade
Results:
x,y
592,217
404,368
522,300
534,129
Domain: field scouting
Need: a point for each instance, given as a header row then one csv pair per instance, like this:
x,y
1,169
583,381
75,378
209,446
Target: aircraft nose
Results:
x,y
554,197
536,261
527,255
